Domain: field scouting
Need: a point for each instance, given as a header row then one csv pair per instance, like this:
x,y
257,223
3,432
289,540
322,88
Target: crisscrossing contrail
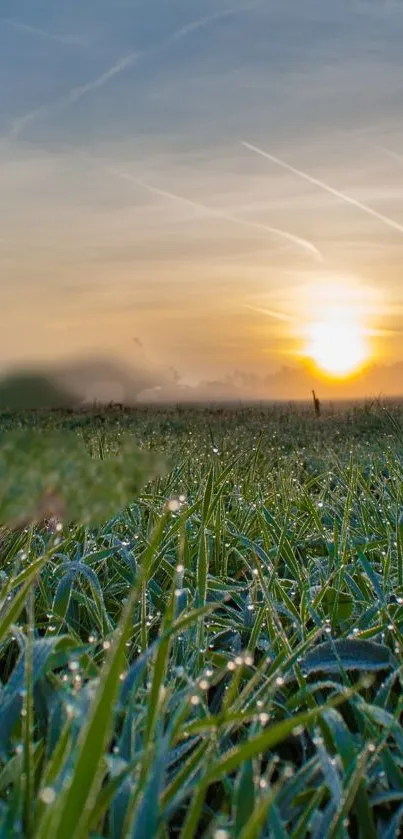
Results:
x,y
123,63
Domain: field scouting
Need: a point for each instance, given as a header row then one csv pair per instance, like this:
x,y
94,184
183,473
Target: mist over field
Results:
x,y
97,380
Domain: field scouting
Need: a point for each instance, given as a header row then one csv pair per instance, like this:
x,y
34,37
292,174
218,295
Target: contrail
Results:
x,y
394,155
123,64
322,185
205,21
117,68
41,33
307,246
272,314
75,94
20,123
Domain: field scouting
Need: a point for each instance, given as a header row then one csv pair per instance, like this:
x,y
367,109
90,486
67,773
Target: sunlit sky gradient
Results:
x,y
134,220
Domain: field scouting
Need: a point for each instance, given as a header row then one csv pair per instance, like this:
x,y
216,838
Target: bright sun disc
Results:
x,y
338,348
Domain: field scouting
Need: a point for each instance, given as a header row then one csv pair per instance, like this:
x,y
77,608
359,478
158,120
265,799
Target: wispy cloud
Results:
x,y
327,188
124,63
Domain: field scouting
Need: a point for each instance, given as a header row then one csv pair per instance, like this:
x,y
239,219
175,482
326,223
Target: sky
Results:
x,y
199,186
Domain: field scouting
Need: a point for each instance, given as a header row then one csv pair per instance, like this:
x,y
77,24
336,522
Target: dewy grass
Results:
x,y
222,656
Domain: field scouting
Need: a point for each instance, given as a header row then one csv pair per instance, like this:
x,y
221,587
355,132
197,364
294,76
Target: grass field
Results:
x,y
222,657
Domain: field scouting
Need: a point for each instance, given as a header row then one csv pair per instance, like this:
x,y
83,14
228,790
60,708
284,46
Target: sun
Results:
x,y
337,346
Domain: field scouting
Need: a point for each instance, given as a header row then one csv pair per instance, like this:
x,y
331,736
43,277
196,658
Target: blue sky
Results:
x,y
131,208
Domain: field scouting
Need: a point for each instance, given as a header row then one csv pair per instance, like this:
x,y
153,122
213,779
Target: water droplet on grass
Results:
x,y
173,505
47,795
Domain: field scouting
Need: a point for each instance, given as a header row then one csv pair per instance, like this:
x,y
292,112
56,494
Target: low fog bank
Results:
x,y
103,381
289,383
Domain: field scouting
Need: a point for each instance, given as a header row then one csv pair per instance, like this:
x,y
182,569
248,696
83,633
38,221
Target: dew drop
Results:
x,y
47,795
